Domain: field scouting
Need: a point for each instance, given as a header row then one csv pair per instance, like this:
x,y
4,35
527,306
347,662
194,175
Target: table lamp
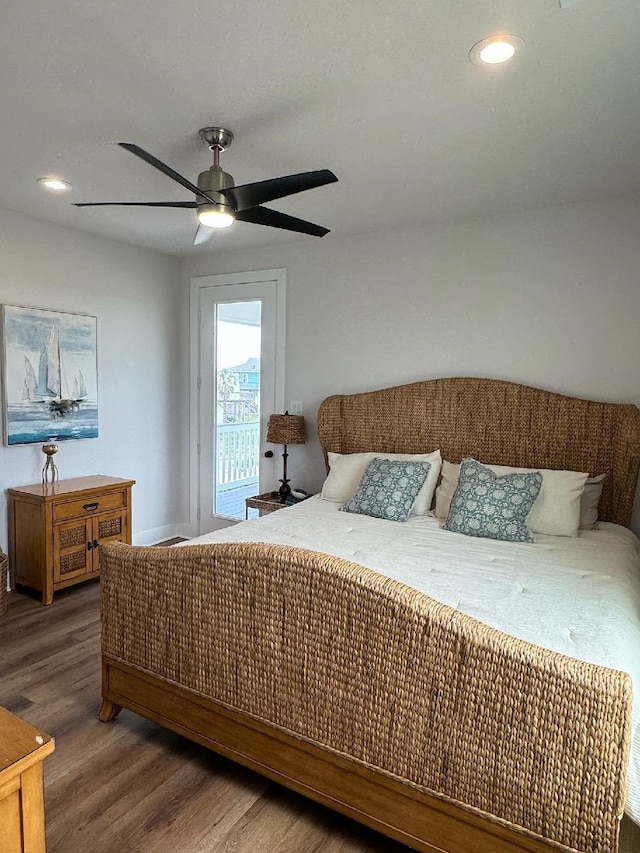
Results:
x,y
285,429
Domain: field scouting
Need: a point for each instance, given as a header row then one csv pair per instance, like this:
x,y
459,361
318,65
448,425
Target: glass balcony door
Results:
x,y
239,386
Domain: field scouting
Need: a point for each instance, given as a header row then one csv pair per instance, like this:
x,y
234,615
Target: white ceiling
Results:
x,y
382,93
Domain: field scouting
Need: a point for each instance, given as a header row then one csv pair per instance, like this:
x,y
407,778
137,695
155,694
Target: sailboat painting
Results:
x,y
50,375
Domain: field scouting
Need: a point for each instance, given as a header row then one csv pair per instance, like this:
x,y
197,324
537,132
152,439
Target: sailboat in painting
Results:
x,y
30,391
49,368
50,376
79,387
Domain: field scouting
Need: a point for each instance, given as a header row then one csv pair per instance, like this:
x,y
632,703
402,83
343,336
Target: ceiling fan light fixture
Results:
x,y
215,215
496,49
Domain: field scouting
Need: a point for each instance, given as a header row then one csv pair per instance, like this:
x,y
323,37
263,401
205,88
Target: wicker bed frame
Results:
x,y
369,696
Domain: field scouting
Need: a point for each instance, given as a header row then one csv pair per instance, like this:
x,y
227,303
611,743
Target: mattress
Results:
x,y
577,596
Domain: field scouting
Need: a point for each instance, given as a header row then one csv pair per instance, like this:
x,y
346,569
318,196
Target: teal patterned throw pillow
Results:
x,y
388,489
490,506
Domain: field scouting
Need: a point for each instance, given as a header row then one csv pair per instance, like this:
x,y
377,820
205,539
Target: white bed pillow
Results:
x,y
556,511
589,502
346,470
450,473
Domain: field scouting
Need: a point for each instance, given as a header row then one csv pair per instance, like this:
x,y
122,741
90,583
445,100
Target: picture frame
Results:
x,y
50,375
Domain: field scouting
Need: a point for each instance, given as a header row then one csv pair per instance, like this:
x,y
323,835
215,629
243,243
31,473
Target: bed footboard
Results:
x,y
368,696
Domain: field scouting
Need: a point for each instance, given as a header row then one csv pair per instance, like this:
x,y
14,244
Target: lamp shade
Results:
x,y
286,429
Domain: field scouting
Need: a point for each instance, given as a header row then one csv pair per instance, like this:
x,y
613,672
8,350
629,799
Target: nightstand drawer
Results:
x,y
89,505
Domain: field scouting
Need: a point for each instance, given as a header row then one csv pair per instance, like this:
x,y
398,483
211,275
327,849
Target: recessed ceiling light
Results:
x,y
54,184
496,49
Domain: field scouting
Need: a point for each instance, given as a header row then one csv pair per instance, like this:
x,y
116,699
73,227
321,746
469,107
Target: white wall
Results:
x,y
135,296
550,298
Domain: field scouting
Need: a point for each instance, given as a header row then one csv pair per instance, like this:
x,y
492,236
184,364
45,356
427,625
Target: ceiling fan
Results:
x,y
219,202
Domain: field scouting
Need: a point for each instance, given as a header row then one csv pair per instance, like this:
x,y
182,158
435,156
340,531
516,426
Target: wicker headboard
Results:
x,y
498,423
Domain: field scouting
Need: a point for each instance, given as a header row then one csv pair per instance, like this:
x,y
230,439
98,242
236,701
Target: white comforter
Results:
x,y
577,596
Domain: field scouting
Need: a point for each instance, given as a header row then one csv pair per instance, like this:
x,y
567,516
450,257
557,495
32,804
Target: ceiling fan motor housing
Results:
x,y
211,182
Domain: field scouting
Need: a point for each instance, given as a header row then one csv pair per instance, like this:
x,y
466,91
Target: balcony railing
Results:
x,y
238,455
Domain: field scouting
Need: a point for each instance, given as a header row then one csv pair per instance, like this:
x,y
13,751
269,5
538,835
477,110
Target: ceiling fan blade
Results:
x,y
190,204
202,234
251,195
275,219
167,170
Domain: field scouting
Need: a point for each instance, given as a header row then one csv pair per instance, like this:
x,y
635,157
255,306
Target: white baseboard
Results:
x,y
161,534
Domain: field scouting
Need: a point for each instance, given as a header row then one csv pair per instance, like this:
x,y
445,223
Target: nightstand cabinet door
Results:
x,y
109,527
71,555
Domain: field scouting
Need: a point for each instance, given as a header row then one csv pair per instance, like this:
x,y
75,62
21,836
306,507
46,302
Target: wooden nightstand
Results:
x,y
22,750
55,531
265,503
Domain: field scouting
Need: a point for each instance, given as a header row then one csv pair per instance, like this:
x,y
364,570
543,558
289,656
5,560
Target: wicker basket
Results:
x,y
4,562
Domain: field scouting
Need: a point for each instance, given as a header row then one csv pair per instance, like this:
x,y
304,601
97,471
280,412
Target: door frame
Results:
x,y
198,283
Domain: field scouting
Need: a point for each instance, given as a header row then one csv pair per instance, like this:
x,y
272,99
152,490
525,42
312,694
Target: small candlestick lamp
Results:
x,y
50,471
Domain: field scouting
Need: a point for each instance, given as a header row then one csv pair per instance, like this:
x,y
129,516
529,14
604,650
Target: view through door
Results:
x,y
238,334
240,382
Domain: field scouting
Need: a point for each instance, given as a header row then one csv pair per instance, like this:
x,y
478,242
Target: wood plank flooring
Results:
x,y
131,786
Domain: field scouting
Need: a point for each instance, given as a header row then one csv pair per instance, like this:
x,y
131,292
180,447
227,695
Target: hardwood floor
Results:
x,y
131,786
